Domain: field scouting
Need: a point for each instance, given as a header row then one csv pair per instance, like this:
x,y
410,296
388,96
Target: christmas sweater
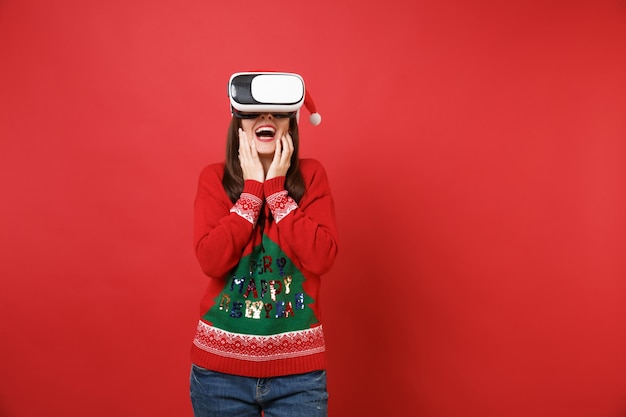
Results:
x,y
264,256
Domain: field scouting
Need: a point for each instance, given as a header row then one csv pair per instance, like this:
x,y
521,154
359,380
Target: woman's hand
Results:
x,y
251,165
282,157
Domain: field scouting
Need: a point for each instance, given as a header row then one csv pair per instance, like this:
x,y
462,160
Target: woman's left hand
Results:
x,y
282,157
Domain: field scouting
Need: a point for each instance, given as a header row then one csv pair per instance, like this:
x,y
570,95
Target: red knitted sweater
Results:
x,y
264,256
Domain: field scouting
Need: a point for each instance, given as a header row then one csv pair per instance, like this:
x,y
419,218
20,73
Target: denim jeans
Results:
x,y
214,394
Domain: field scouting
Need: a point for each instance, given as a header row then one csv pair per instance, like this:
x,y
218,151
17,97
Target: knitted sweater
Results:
x,y
264,256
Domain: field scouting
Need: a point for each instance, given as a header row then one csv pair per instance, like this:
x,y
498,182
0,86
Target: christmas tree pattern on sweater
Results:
x,y
263,311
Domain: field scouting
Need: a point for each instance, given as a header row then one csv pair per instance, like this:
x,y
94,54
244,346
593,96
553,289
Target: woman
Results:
x,y
264,233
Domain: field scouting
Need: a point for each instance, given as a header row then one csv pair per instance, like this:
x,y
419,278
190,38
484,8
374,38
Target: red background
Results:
x,y
477,156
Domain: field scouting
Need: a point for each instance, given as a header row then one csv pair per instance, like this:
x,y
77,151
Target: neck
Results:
x,y
266,161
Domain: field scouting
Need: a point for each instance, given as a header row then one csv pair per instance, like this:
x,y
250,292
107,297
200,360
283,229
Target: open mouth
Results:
x,y
265,132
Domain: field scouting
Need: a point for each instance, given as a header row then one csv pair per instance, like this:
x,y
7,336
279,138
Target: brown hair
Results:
x,y
233,176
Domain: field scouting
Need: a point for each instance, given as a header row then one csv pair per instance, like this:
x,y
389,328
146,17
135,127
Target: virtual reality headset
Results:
x,y
270,92
266,92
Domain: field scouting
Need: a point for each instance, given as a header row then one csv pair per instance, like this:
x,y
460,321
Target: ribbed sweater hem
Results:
x,y
264,369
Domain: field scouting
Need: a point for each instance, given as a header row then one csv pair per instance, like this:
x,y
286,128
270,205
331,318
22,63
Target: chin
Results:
x,y
266,151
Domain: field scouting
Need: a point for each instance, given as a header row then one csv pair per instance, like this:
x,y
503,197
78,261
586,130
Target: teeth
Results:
x,y
265,131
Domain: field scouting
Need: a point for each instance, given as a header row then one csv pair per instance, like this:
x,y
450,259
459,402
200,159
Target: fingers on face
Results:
x,y
241,142
244,143
286,147
242,138
288,142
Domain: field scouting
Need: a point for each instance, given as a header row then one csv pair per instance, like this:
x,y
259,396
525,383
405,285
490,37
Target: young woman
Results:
x,y
265,233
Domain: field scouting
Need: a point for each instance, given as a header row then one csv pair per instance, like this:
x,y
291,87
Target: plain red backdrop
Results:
x,y
477,156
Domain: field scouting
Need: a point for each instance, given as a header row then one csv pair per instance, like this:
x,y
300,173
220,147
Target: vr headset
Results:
x,y
269,92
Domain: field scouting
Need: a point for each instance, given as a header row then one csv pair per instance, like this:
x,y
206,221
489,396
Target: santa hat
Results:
x,y
315,118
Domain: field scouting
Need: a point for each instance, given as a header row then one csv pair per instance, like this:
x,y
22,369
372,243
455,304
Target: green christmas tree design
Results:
x,y
264,295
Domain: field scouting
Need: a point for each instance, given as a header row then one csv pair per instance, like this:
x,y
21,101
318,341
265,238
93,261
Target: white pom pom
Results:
x,y
315,119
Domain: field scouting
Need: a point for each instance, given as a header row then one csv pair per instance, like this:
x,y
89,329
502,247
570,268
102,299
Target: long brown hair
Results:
x,y
233,176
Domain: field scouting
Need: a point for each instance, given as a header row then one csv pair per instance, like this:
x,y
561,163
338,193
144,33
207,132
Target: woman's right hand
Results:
x,y
249,159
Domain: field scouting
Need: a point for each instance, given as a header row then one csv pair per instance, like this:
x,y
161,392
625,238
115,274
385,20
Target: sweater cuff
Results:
x,y
278,200
253,187
249,204
274,185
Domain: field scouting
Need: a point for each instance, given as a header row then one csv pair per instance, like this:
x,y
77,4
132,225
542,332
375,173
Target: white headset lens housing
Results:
x,y
266,92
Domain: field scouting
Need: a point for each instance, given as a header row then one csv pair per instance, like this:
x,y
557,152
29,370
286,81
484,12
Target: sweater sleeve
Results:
x,y
221,229
309,228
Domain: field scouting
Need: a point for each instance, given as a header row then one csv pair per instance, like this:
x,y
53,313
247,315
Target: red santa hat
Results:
x,y
315,118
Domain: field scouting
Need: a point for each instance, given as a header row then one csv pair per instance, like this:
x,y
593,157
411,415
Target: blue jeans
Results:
x,y
214,394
